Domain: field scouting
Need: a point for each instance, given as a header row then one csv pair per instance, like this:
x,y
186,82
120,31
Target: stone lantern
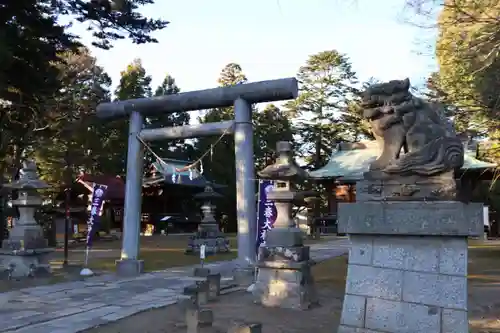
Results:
x,y
26,251
208,230
284,268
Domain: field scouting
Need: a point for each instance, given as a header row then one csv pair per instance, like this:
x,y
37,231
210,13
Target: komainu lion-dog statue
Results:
x,y
417,142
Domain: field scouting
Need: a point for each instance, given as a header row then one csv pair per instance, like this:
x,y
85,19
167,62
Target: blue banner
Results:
x,y
98,192
266,211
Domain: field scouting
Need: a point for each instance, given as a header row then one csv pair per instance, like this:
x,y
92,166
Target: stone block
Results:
x,y
370,281
454,321
294,253
401,317
285,288
284,237
129,267
246,328
413,253
196,318
213,286
199,292
201,271
191,290
437,218
244,276
435,289
350,329
453,256
353,311
201,296
361,249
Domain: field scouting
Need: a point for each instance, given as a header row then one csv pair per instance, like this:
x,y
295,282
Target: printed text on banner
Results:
x,y
98,192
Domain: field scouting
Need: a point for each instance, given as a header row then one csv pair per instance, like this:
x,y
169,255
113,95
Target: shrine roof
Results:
x,y
349,161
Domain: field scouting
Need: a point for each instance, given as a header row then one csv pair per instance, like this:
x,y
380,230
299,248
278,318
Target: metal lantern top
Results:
x,y
285,168
28,178
208,193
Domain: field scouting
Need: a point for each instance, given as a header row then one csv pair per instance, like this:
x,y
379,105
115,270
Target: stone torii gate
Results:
x,y
241,97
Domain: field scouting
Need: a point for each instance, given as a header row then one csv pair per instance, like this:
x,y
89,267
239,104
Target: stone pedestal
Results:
x,y
215,242
407,266
284,277
129,267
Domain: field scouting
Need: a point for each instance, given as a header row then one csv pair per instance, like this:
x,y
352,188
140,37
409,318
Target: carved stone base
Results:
x,y
215,242
284,278
288,285
379,186
25,263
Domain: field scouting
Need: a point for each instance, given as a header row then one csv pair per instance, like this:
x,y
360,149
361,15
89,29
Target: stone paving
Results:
x,y
75,306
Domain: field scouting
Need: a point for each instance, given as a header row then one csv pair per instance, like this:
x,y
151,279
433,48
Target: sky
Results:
x,y
270,39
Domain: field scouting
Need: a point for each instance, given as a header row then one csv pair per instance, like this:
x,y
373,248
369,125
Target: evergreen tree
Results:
x,y
468,55
270,126
70,143
172,148
355,127
134,83
326,86
31,41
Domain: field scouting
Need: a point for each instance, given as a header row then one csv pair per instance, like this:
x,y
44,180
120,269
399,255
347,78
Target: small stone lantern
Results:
x,y
26,250
284,276
208,230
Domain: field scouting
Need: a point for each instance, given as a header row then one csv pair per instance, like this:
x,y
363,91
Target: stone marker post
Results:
x,y
284,277
408,258
26,252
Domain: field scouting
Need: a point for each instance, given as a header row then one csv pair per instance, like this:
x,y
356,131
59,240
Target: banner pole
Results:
x,y
86,257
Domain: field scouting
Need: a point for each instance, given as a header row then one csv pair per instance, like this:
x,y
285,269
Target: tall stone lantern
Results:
x,y
284,268
26,251
208,230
